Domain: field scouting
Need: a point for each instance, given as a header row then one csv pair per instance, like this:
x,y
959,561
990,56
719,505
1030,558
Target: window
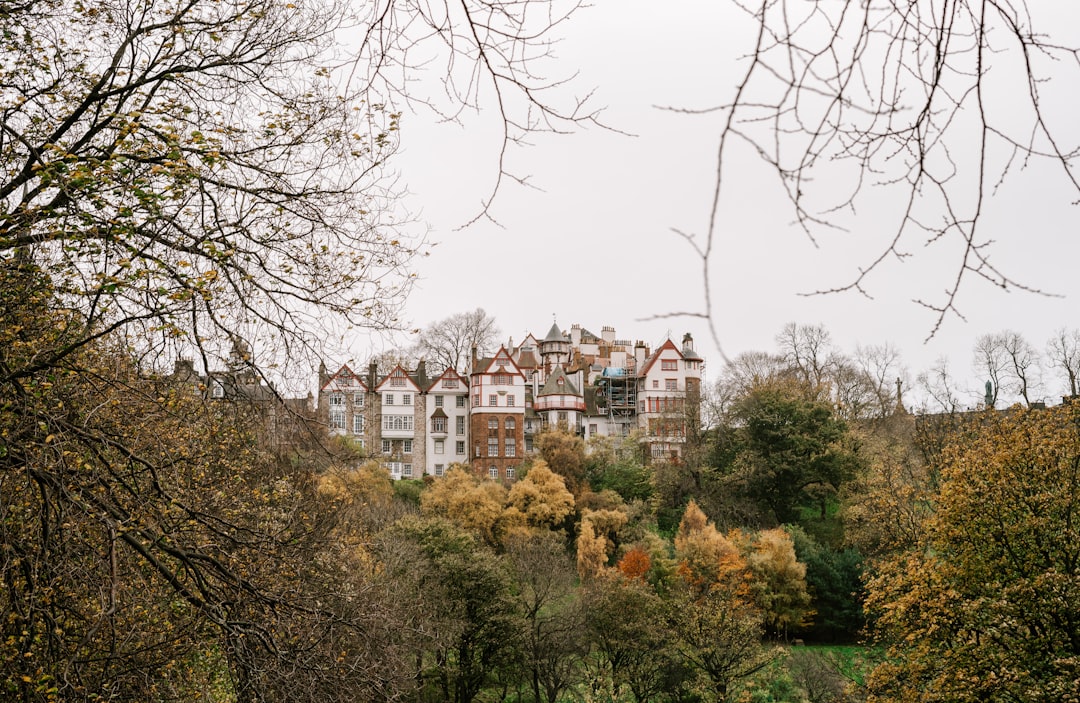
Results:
x,y
671,384
362,442
563,419
218,391
510,401
337,399
397,422
510,473
388,399
397,381
440,446
438,401
406,470
406,447
493,472
439,469
358,424
669,365
511,446
476,401
459,423
493,423
528,443
656,383
592,428
493,399
438,424
358,400
449,383
493,446
337,418
459,448
509,424
386,446
476,450
406,399
460,401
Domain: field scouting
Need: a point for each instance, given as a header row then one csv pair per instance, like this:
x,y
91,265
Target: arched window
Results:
x,y
509,423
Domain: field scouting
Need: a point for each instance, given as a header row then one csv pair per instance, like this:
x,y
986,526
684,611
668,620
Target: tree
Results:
x,y
467,616
449,343
721,639
551,609
1063,352
629,627
564,453
471,503
934,104
793,452
778,583
541,497
985,608
153,548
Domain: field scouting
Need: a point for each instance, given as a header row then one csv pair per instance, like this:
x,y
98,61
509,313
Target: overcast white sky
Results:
x,y
594,245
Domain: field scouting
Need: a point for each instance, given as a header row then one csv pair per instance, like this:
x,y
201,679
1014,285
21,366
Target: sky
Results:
x,y
594,241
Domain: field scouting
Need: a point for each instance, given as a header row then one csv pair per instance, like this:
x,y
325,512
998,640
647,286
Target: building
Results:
x,y
497,416
592,385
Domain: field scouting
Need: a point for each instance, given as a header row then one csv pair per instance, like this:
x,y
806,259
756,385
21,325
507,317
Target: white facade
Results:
x,y
447,424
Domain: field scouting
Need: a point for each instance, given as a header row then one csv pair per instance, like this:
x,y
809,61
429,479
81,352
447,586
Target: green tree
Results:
x,y
794,452
628,626
459,595
551,609
985,609
720,637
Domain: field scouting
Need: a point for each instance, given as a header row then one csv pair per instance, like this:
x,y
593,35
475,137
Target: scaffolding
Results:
x,y
616,392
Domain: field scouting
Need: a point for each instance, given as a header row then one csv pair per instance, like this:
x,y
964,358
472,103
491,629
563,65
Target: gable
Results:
x,y
398,380
344,381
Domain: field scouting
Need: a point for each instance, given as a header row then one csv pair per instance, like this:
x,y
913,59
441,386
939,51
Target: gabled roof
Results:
x,y
488,366
449,374
397,372
558,383
668,344
439,412
345,374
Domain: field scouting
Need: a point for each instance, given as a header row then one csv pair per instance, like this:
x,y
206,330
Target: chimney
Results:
x,y
373,372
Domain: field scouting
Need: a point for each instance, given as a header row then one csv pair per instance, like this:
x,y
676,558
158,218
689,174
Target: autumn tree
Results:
x,y
778,581
541,497
564,453
153,548
721,639
471,503
984,609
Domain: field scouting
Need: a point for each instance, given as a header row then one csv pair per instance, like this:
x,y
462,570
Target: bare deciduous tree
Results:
x,y
1063,352
449,342
933,104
